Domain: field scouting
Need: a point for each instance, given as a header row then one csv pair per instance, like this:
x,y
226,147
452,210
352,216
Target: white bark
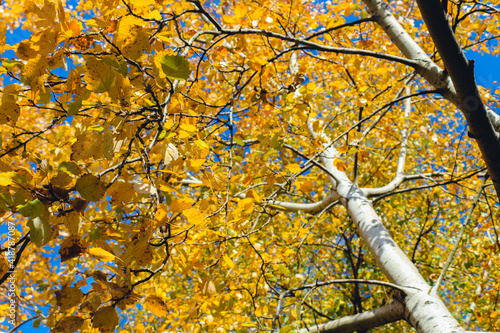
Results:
x,y
386,314
459,87
424,311
407,45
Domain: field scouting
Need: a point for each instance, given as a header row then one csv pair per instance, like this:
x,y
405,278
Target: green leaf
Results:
x,y
119,65
75,106
239,141
284,270
175,67
5,200
70,167
8,178
90,187
33,208
40,231
95,234
10,64
286,329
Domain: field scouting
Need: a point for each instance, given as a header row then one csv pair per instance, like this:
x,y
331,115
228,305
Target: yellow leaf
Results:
x,y
284,270
100,254
154,14
188,128
89,144
121,191
161,215
194,216
128,24
33,71
9,113
343,149
306,186
240,11
196,164
72,221
228,261
69,324
69,297
339,164
106,319
207,287
364,155
294,168
4,265
99,76
135,43
179,205
115,270
90,187
156,305
8,178
170,153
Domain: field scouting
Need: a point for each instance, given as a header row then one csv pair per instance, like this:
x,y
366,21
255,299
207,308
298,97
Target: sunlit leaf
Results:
x,y
40,231
106,319
175,67
156,305
90,187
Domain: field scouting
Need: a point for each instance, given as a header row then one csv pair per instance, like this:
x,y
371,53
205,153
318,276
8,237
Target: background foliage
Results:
x,y
146,145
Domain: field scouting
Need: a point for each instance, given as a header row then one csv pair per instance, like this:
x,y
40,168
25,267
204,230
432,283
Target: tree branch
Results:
x,y
386,314
399,178
461,72
459,238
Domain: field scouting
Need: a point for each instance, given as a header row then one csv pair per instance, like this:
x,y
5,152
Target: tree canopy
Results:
x,y
244,166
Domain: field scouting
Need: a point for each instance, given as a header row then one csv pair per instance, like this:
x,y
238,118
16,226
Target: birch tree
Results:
x,y
249,166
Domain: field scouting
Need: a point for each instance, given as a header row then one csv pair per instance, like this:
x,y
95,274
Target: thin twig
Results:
x,y
435,288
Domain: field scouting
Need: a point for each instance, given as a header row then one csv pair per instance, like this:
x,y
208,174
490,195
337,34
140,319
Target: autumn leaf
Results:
x,y
179,205
40,231
121,191
294,167
87,145
106,319
156,305
228,261
161,215
90,187
175,66
339,164
306,186
32,208
171,154
100,254
4,265
208,288
69,324
99,76
68,297
10,178
194,216
72,247
70,167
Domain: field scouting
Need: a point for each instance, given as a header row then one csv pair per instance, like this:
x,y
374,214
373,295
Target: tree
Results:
x,y
178,166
